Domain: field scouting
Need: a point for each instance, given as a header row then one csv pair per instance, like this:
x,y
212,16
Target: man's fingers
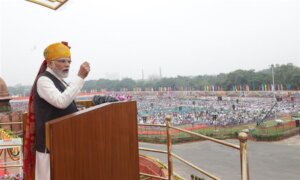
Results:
x,y
84,69
86,66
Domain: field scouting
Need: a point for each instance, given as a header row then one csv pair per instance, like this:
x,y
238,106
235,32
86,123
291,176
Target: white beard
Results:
x,y
59,73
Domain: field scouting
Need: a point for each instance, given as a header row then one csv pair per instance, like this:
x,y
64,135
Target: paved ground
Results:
x,y
293,141
267,160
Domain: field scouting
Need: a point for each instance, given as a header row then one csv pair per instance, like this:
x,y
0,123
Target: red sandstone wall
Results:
x,y
11,117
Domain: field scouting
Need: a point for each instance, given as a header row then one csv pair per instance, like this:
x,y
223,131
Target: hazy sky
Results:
x,y
120,38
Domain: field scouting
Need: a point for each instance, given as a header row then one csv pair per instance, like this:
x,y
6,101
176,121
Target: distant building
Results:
x,y
6,114
4,97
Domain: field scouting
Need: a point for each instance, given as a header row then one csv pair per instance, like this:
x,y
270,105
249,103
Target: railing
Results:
x,y
242,148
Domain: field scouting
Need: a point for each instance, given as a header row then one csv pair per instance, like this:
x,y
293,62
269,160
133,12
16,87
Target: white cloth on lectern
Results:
x,y
42,166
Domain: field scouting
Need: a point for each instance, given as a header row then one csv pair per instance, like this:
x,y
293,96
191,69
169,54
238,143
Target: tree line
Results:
x,y
286,77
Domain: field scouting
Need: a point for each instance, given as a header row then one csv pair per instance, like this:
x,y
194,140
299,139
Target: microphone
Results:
x,y
97,99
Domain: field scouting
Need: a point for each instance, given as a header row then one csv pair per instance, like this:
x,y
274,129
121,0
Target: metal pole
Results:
x,y
273,89
272,66
21,162
169,147
243,155
5,160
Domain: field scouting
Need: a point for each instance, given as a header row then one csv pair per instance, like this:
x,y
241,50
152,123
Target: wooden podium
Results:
x,y
98,143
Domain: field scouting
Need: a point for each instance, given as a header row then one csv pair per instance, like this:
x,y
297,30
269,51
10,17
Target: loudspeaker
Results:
x,y
144,119
297,123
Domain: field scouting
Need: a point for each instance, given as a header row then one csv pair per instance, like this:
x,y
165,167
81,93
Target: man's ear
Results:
x,y
50,64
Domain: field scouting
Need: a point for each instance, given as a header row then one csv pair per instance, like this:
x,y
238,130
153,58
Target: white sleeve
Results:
x,y
48,91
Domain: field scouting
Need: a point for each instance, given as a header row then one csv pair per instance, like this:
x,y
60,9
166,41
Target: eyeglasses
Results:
x,y
63,61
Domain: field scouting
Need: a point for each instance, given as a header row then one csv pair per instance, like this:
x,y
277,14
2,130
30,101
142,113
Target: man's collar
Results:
x,y
53,73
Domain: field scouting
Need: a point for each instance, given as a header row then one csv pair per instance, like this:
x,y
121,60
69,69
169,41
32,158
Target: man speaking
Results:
x,y
51,97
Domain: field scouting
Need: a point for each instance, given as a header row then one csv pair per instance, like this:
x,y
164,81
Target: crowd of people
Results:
x,y
211,110
190,109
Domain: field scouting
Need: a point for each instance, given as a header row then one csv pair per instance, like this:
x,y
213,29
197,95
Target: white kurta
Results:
x,y
47,90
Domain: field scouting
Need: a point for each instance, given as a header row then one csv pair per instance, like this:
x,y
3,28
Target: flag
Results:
x,y
266,87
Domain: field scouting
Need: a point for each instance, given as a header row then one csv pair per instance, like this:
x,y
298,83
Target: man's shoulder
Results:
x,y
43,77
47,76
43,80
46,73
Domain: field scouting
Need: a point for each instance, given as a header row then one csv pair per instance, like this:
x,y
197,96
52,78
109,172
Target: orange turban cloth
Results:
x,y
57,50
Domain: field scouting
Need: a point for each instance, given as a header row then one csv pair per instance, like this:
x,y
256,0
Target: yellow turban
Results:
x,y
57,50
